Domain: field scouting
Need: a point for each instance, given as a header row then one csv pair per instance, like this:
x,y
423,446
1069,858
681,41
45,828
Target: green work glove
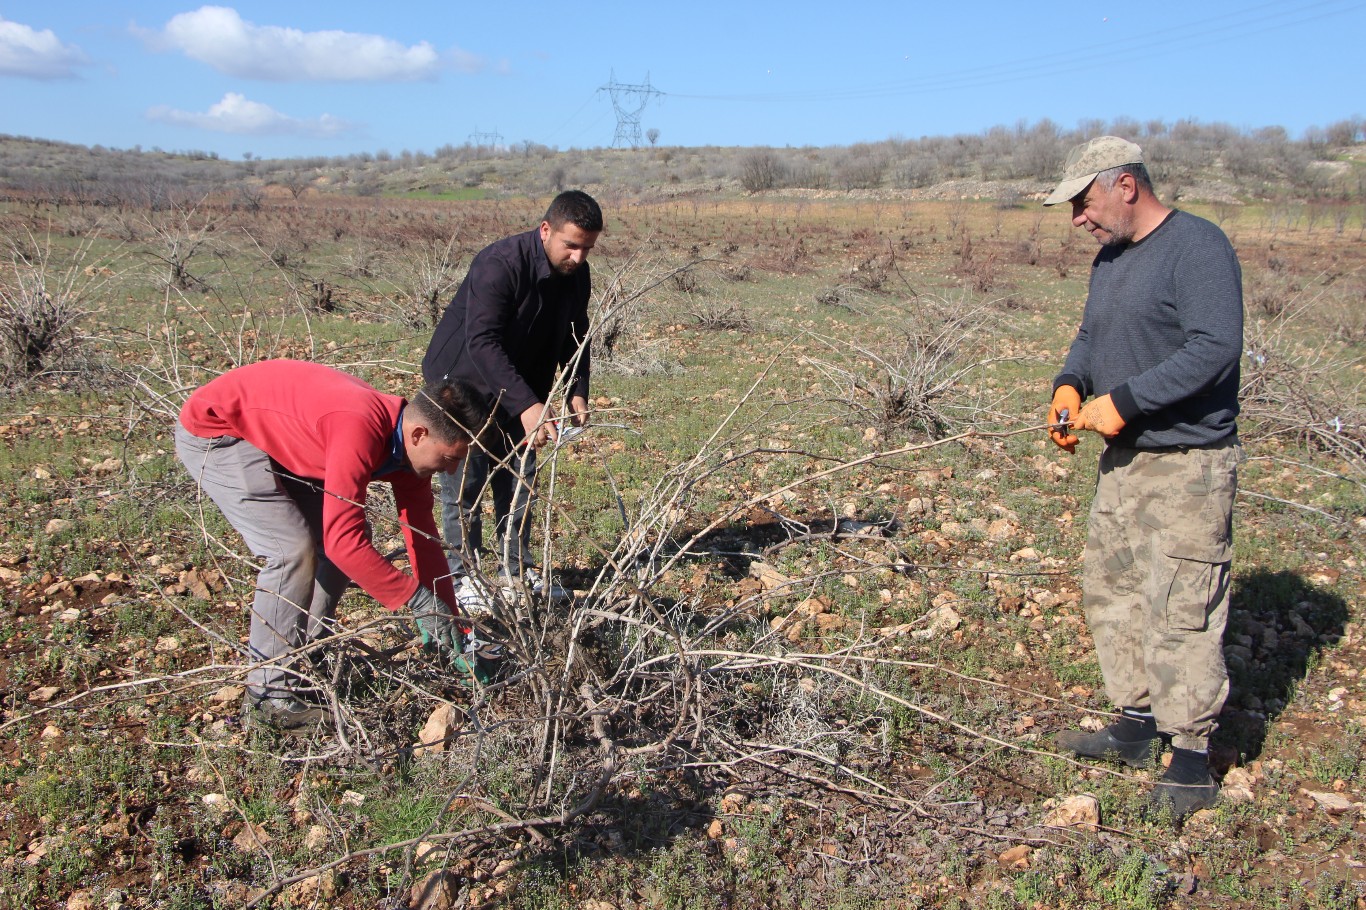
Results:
x,y
435,621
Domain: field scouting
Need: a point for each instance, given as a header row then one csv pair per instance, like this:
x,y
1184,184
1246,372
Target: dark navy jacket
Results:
x,y
512,325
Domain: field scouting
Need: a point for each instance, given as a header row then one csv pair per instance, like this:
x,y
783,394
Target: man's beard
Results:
x,y
1122,233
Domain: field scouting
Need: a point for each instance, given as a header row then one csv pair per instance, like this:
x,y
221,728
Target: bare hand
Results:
x,y
578,406
538,422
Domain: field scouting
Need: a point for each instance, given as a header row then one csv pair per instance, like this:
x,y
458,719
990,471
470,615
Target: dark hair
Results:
x,y
1107,179
575,206
452,409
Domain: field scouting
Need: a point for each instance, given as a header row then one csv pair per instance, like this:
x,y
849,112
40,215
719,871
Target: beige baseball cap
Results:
x,y
1087,160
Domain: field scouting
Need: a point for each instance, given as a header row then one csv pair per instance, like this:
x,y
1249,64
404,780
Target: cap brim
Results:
x,y
1069,189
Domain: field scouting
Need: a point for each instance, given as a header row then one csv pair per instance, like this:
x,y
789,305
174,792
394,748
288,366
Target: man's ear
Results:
x,y
1128,185
417,432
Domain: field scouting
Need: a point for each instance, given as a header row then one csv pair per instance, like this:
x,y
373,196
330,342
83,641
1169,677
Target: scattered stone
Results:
x,y
732,803
1237,786
767,576
43,694
80,900
438,890
829,622
59,587
439,731
352,800
167,644
41,473
952,529
1000,529
316,839
428,852
8,574
1333,803
110,465
920,505
942,620
228,695
56,526
251,838
50,733
813,606
1080,811
1016,857
194,583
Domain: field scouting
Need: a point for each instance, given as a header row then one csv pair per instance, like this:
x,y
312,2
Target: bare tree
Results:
x,y
42,304
760,170
179,234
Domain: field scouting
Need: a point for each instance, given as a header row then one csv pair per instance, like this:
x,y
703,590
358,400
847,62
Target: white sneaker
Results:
x,y
536,584
475,599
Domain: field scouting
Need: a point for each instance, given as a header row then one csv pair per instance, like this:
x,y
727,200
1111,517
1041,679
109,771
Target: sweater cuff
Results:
x,y
1123,400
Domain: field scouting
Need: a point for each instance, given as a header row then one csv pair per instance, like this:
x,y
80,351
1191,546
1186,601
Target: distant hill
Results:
x,y
1188,160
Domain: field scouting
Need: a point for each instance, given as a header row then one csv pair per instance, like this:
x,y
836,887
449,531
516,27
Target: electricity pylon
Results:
x,y
629,102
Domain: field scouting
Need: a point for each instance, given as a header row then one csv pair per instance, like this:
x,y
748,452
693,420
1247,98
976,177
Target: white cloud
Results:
x,y
218,36
237,114
25,51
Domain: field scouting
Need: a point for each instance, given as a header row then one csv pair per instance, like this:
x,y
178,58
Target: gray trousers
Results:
x,y
511,474
281,521
1156,582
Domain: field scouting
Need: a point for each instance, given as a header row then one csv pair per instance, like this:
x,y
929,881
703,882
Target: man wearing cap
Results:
x,y
1157,356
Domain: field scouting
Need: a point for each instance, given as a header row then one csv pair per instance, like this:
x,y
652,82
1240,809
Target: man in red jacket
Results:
x,y
286,450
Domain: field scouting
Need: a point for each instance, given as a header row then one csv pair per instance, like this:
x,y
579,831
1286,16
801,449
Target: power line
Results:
x,y
1254,20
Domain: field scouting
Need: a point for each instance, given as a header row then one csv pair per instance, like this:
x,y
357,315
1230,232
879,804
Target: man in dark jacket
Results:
x,y
519,318
1157,354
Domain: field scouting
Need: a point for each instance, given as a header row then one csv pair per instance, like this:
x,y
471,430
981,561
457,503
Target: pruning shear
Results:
x,y
1064,421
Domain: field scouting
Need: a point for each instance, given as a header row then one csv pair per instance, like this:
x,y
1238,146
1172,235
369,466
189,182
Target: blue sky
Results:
x,y
291,79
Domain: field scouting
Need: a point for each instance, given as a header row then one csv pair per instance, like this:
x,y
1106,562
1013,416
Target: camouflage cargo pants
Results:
x,y
1156,582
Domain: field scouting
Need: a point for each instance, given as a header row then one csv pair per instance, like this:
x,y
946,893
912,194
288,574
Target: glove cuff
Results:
x,y
1067,379
1123,400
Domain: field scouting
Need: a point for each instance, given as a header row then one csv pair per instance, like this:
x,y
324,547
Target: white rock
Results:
x,y
1334,803
942,619
316,839
1080,811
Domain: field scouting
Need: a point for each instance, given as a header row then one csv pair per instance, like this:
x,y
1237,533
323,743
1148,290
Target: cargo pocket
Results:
x,y
1194,579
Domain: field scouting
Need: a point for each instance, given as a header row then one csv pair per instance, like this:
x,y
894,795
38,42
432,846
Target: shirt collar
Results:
x,y
397,459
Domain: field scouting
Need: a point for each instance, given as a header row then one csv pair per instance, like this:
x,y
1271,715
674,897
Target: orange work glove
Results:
x,y
1065,398
1099,416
